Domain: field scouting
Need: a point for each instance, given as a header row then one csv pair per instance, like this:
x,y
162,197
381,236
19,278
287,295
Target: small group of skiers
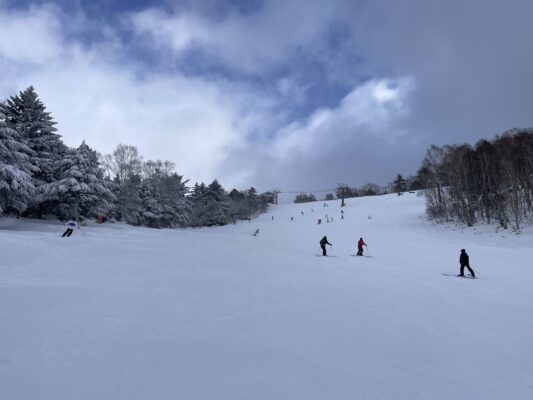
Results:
x,y
464,260
324,242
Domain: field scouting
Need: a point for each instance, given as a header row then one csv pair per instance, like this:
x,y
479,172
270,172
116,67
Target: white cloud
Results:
x,y
210,127
371,108
178,32
33,36
191,121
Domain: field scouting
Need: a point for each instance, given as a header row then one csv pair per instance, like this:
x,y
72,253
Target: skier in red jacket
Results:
x,y
360,245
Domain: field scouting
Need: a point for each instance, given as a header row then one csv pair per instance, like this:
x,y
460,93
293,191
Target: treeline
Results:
x,y
41,177
491,181
399,185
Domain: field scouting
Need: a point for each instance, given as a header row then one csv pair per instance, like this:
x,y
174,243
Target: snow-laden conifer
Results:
x,y
16,187
163,202
81,188
26,114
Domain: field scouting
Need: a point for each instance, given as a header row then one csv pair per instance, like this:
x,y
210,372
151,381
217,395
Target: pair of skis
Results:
x,y
461,276
352,255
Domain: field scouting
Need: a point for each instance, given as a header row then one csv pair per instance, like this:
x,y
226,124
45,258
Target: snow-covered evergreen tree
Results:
x,y
217,206
100,199
399,184
210,205
80,189
163,197
16,187
238,208
26,114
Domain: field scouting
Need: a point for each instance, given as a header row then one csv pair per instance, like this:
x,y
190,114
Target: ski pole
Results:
x,y
367,252
331,248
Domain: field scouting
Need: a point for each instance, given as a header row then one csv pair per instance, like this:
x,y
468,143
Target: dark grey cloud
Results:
x,y
471,60
470,63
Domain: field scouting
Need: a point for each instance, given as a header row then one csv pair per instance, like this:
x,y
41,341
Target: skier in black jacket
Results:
x,y
323,244
465,262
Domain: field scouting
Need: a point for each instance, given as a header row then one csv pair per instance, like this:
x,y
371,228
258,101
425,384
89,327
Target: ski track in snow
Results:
x,y
124,312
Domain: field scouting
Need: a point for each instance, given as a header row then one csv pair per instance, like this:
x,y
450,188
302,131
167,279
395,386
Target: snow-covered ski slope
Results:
x,y
134,313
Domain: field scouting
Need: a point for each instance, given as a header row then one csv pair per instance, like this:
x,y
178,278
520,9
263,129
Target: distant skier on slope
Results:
x,y
323,244
465,262
256,233
360,245
70,225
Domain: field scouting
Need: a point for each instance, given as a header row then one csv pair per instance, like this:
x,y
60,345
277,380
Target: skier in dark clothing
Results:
x,y
323,244
465,262
360,245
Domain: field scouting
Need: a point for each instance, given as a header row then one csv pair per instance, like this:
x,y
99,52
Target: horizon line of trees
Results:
x,y
491,181
399,185
41,177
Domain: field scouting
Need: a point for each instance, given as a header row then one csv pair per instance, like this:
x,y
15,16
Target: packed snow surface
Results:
x,y
120,312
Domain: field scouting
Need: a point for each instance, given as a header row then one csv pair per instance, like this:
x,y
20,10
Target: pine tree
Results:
x,y
238,208
81,189
16,187
163,202
26,114
217,210
210,205
252,200
399,184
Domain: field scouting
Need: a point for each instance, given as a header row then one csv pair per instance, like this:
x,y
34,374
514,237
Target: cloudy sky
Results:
x,y
290,94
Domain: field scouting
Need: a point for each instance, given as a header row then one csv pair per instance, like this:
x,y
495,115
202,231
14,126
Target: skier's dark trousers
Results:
x,y
465,262
323,244
67,233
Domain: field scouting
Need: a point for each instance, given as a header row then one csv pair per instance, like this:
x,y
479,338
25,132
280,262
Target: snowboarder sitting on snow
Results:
x,y
71,225
360,245
323,244
465,262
